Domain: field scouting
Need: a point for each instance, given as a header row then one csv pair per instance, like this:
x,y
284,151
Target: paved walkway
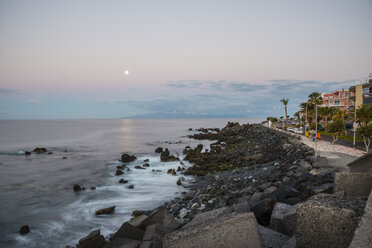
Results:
x,y
325,146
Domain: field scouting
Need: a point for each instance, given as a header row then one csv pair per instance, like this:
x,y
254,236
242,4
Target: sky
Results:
x,y
66,59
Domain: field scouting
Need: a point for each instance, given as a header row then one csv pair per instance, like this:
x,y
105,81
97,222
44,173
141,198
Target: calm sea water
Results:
x,y
37,190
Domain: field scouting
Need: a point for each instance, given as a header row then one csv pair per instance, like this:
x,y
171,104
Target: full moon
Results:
x,y
126,72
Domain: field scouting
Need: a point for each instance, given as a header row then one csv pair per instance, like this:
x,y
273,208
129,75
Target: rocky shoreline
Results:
x,y
249,170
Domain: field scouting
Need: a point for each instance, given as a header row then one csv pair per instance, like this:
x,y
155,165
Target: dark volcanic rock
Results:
x,y
159,150
108,210
119,172
40,150
24,230
166,157
139,167
77,187
131,186
123,181
27,153
126,158
146,165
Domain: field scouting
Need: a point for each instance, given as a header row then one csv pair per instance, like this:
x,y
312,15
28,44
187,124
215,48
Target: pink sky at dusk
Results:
x,y
52,47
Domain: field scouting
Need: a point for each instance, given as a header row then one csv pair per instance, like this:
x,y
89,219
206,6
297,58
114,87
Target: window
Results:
x,y
366,91
337,102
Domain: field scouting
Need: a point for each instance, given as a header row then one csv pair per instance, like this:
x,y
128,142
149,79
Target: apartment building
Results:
x,y
339,99
362,92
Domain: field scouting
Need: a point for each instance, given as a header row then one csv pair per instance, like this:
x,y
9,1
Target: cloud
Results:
x,y
3,112
227,97
33,101
5,91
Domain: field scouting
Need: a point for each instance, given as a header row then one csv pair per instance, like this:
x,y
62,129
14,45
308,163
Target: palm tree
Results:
x,y
315,98
327,113
364,114
285,102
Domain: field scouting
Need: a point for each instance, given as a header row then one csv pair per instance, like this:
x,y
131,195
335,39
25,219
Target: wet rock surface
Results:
x,y
126,158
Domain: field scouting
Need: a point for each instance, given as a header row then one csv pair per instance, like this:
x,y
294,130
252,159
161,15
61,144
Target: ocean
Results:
x,y
37,190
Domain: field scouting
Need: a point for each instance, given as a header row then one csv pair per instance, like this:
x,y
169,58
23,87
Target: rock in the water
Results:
x,y
123,181
179,182
77,187
27,153
159,150
166,157
119,172
131,186
64,157
109,210
24,230
40,150
93,188
126,158
146,160
138,167
146,165
93,240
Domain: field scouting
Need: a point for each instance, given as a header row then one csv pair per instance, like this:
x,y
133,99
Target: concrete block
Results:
x,y
123,243
355,183
207,216
242,207
363,234
233,230
362,164
291,243
320,162
136,221
162,217
283,218
272,238
327,220
128,231
93,240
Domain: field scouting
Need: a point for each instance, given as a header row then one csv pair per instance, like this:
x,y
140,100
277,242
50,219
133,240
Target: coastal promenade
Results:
x,y
325,146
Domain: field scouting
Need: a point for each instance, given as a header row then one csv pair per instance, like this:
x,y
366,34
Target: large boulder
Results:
x,y
207,216
328,220
233,230
129,231
283,218
272,238
93,240
126,158
354,183
163,218
108,210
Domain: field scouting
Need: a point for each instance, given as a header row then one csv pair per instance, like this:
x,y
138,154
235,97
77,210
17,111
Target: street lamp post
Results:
x,y
316,130
354,125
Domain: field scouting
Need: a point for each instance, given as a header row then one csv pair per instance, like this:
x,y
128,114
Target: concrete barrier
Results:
x,y
355,183
363,234
233,230
362,164
328,220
